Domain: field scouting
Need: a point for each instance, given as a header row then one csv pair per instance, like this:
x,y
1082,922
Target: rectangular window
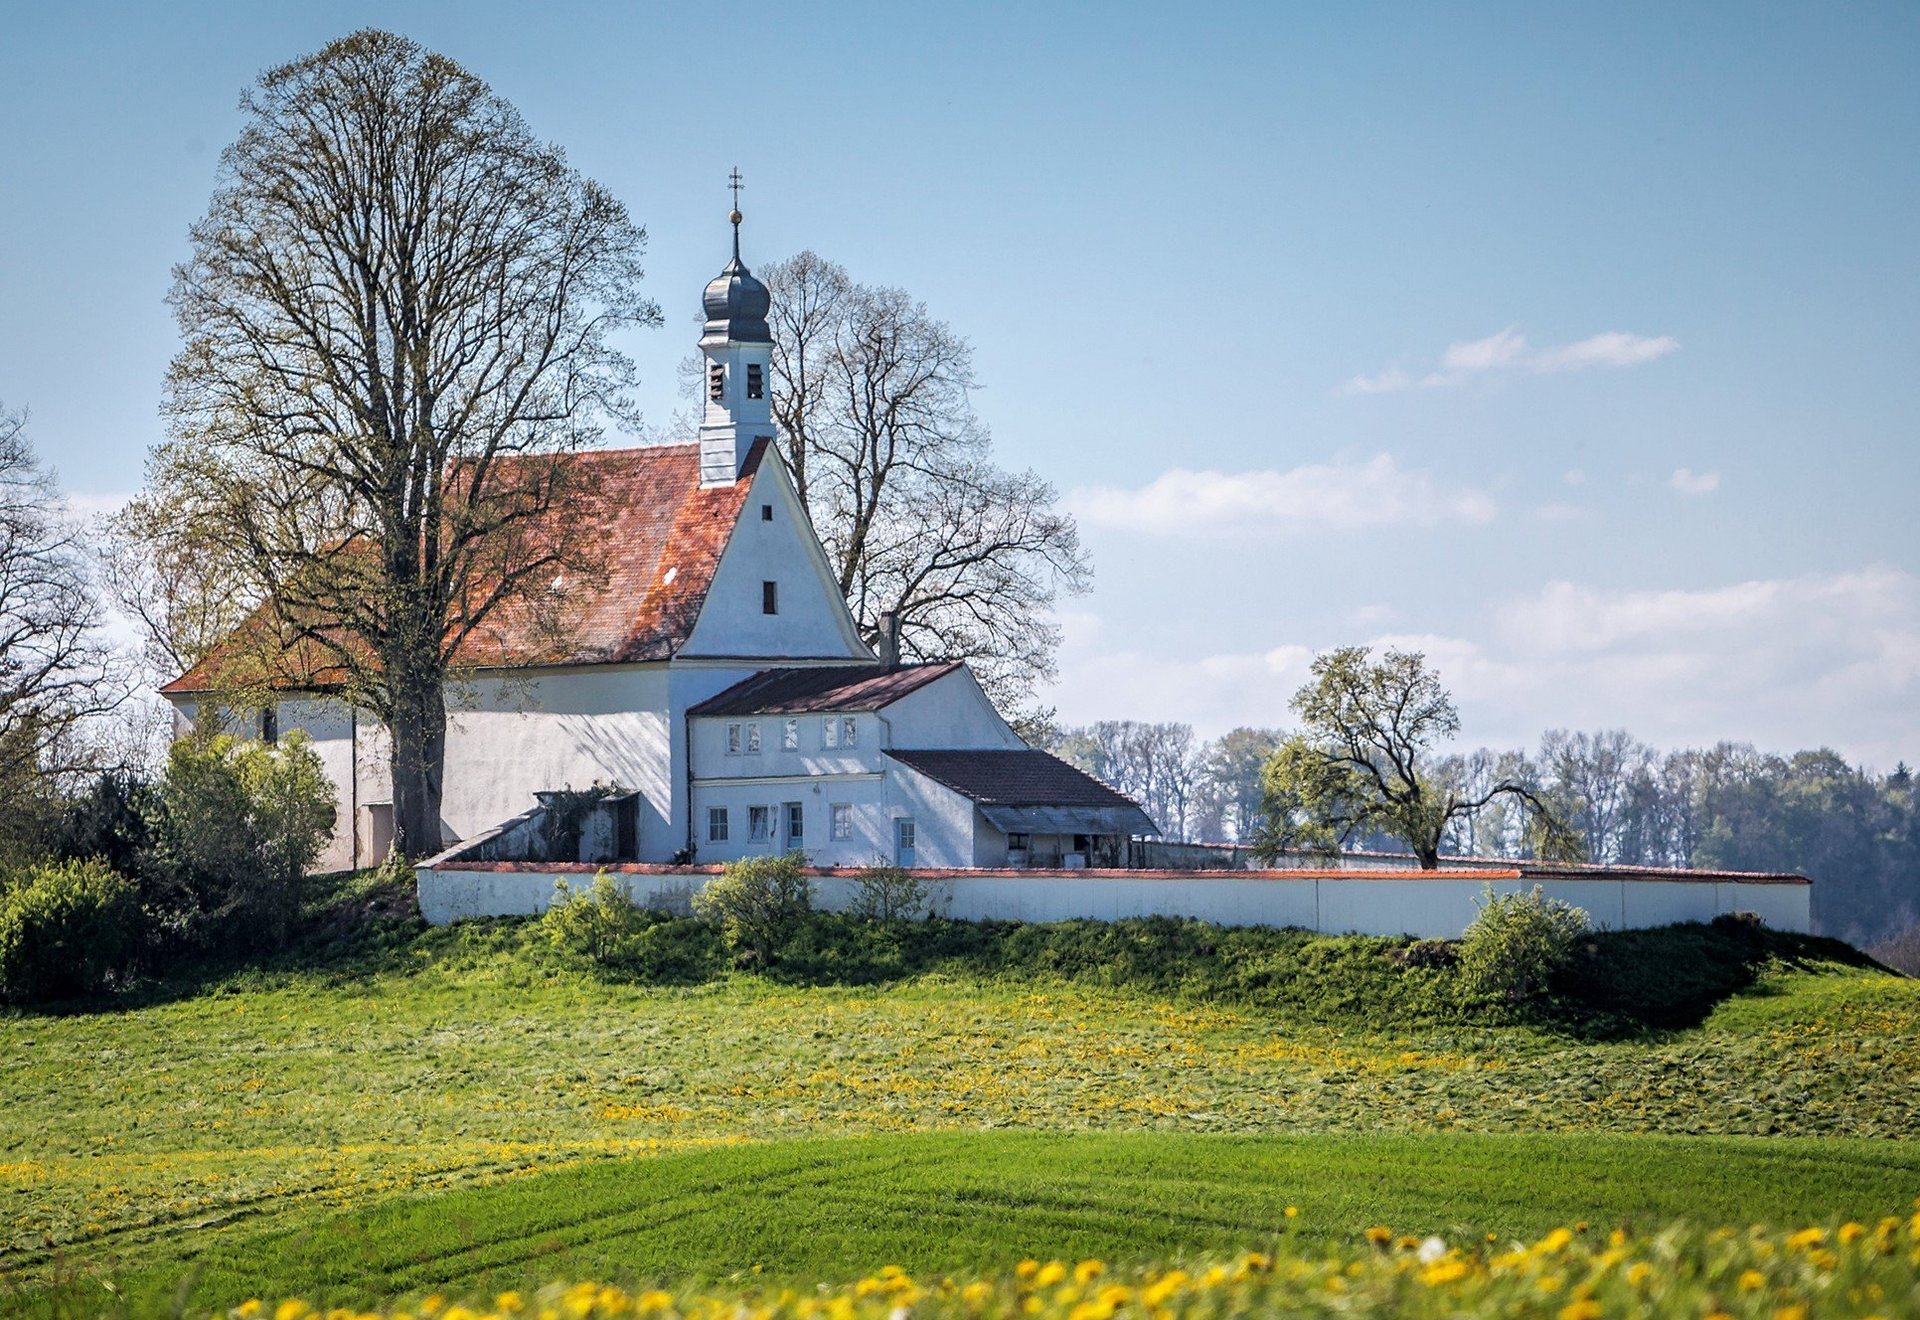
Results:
x,y
766,513
716,382
270,725
756,385
849,732
757,824
830,731
769,597
843,820
716,824
790,735
753,738
735,739
1017,842
796,824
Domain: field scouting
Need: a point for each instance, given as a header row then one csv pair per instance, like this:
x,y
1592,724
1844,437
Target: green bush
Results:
x,y
759,903
1513,948
245,823
889,893
604,926
66,929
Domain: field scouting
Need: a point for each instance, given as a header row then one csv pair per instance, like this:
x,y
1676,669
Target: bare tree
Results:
x,y
1591,776
873,399
57,671
397,319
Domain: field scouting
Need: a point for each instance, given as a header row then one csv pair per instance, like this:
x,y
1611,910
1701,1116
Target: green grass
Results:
x,y
832,1211
383,1062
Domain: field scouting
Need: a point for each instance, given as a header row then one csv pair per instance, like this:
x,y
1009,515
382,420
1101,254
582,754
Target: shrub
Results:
x,y
66,929
607,928
889,893
759,903
1516,944
245,823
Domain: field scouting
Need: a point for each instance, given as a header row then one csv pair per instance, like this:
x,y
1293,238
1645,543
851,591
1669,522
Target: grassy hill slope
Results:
x,y
386,1061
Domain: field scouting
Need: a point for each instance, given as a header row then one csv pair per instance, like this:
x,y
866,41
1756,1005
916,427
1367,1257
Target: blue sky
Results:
x,y
1578,345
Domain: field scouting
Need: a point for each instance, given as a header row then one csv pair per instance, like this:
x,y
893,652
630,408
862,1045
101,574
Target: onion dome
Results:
x,y
736,303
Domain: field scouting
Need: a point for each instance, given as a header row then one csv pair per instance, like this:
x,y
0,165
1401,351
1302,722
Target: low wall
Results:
x,y
1429,904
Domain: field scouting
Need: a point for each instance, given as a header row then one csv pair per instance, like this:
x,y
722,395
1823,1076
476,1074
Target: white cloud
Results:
x,y
1386,382
1316,497
1613,349
88,505
1508,350
1574,477
1822,659
1689,482
1500,350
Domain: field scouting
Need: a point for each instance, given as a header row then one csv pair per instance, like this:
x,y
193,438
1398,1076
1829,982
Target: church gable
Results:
x,y
773,593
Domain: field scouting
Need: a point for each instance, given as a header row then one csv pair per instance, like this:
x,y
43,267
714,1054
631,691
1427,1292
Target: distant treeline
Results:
x,y
1854,832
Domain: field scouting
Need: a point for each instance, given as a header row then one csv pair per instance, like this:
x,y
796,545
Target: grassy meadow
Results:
x,y
392,1110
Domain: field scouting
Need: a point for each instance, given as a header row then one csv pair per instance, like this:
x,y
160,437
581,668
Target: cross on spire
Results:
x,y
733,182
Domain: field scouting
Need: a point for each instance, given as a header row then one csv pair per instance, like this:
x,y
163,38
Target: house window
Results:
x,y
716,382
843,820
756,386
1017,842
736,739
849,731
796,824
766,513
270,725
790,735
758,819
830,731
753,738
716,824
769,597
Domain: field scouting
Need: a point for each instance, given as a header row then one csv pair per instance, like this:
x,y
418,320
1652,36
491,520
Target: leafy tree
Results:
x,y
933,543
1233,787
759,903
1360,763
398,315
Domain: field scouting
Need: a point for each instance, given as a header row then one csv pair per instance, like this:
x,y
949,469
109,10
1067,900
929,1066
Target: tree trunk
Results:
x,y
419,759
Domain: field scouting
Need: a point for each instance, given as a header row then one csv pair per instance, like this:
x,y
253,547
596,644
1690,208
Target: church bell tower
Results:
x,y
739,349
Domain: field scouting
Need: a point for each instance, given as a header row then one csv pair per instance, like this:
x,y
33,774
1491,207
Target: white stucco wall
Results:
x,y
812,622
951,711
1344,904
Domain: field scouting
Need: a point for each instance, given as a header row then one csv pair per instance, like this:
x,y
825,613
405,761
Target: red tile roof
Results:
x,y
834,688
659,535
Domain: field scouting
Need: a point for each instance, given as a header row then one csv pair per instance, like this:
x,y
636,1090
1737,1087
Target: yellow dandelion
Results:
x,y
1585,1309
1087,1271
1050,1273
1752,1280
1292,1212
1379,1236
1852,1232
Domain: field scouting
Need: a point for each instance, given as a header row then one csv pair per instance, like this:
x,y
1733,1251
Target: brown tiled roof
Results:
x,y
1013,777
822,688
657,534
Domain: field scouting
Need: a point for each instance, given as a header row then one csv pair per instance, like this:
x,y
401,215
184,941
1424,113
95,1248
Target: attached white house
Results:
x,y
713,673
905,765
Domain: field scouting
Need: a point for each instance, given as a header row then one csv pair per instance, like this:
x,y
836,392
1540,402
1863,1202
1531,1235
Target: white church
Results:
x,y
716,680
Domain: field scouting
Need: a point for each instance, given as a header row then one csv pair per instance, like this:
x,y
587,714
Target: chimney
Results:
x,y
889,640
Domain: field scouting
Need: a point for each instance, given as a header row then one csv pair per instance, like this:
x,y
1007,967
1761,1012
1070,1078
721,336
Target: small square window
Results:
x,y
849,732
716,824
736,739
757,824
790,735
769,597
756,383
1017,842
843,820
766,513
753,739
